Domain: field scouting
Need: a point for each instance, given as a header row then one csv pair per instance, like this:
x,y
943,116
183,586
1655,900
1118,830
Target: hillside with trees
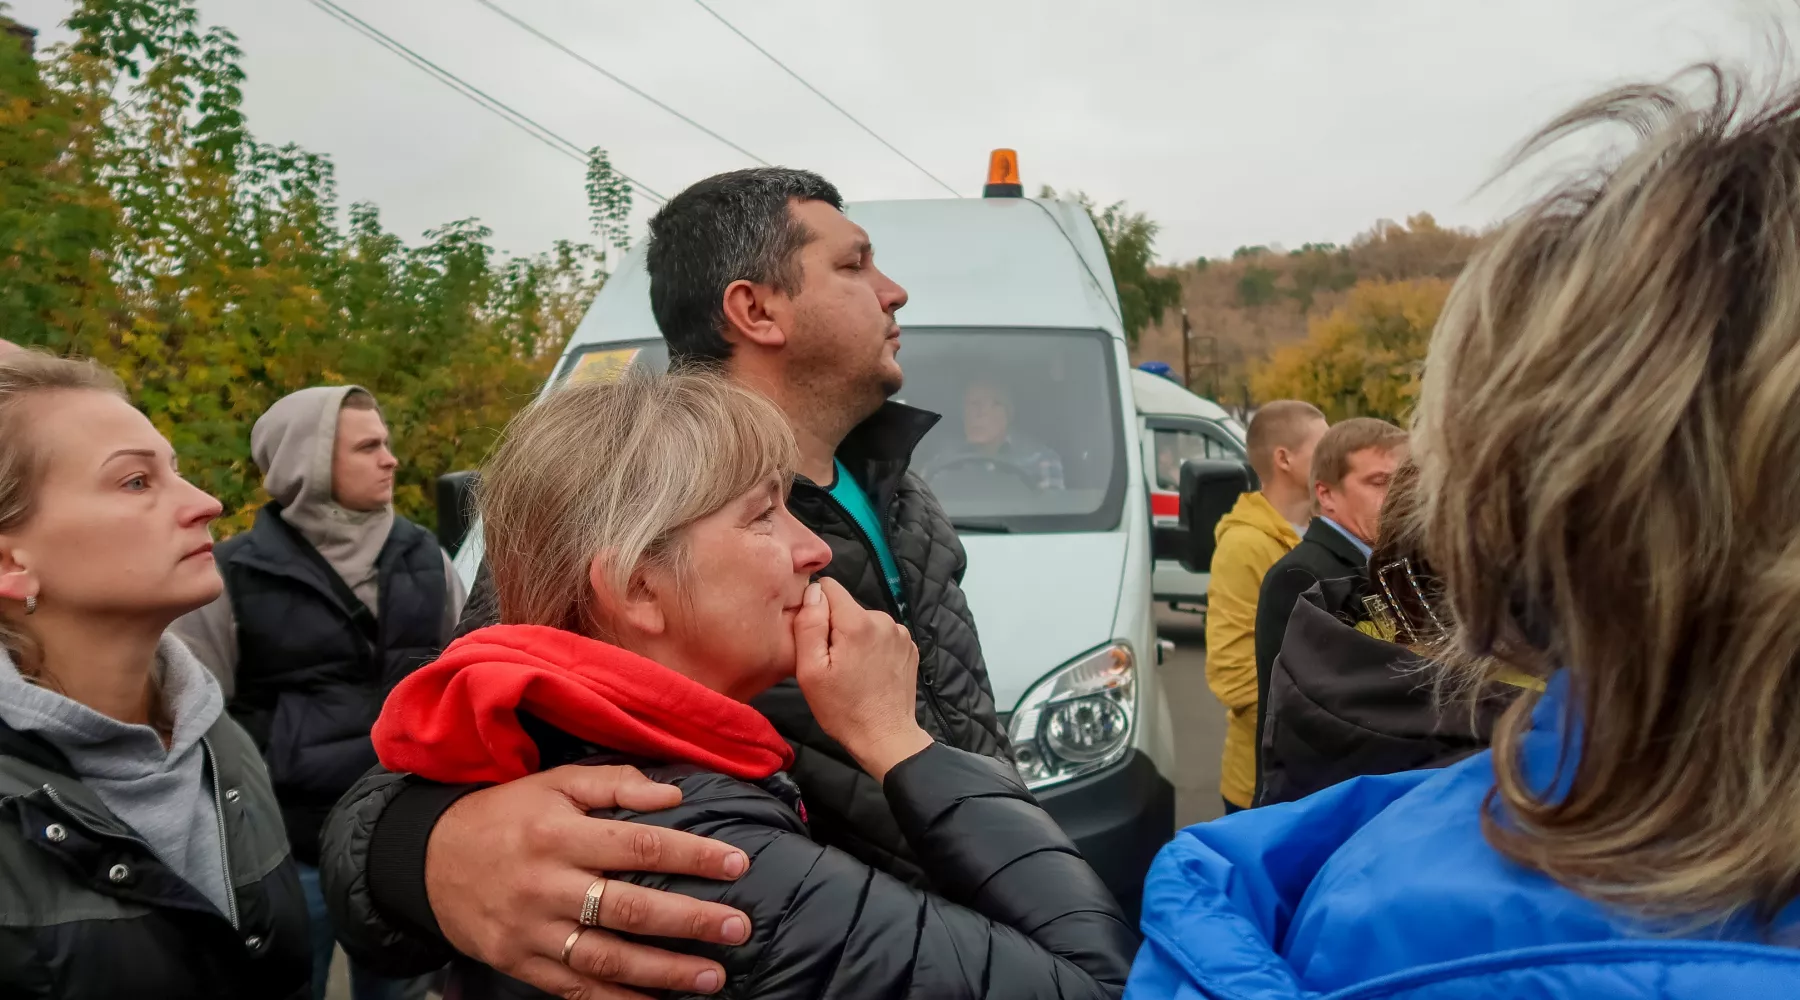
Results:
x,y
1343,327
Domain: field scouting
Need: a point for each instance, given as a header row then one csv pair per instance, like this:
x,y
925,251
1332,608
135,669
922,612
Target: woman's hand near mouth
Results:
x,y
859,671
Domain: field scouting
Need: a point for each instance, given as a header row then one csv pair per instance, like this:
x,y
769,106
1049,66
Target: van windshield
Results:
x,y
1031,428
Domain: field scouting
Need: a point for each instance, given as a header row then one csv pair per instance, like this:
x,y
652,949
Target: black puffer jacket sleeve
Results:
x,y
1025,917
372,870
990,847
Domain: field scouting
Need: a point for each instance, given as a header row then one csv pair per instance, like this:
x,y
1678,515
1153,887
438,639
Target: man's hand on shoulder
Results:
x,y
507,868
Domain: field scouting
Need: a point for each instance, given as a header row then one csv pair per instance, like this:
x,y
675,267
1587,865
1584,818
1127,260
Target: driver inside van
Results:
x,y
1168,462
988,437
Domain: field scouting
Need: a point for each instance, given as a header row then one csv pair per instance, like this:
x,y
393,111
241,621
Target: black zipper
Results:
x,y
925,681
932,702
893,603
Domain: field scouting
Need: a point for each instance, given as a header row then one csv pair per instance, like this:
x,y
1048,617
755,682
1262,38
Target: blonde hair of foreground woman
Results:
x,y
617,468
1608,438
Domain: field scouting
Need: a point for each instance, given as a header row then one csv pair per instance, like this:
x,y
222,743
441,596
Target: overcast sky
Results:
x,y
1230,122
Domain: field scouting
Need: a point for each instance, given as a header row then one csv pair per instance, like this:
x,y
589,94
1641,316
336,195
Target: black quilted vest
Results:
x,y
313,670
955,700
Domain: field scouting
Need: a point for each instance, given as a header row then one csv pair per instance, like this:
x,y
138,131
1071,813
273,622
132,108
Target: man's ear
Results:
x,y
755,314
640,607
16,581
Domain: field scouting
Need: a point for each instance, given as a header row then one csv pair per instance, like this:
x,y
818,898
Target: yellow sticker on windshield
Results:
x,y
603,366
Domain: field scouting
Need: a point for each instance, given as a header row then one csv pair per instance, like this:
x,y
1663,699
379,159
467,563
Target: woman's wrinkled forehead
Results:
x,y
772,487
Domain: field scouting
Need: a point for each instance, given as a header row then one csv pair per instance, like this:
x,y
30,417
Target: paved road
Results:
x,y
1199,736
1199,718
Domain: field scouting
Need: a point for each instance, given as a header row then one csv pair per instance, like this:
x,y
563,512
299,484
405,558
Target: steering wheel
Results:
x,y
988,463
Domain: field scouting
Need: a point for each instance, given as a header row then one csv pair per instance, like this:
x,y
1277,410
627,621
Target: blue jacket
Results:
x,y
1383,887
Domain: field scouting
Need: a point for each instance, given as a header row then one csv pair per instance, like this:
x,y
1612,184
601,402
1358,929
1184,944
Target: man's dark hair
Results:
x,y
729,227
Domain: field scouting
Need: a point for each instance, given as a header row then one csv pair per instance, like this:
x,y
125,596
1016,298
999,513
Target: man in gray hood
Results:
x,y
330,599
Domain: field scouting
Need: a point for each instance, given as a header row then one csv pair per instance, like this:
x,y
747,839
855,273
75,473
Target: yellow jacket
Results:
x,y
1250,540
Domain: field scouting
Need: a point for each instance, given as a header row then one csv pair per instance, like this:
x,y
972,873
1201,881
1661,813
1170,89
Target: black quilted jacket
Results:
x,y
955,701
1021,914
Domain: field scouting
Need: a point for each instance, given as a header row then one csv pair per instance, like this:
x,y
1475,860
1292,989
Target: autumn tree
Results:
x,y
1246,307
1416,249
1363,359
1130,241
1318,269
143,225
53,288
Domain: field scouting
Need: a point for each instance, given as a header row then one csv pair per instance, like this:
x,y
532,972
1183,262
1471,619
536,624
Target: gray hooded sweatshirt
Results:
x,y
163,794
292,444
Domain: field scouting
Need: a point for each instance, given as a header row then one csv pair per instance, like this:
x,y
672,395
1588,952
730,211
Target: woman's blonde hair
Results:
x,y
24,375
617,470
1608,439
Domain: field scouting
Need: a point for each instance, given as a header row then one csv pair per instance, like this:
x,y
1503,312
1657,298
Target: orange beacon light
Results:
x,y
1003,175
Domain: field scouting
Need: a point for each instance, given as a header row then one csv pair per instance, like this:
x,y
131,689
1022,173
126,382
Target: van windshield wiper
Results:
x,y
979,527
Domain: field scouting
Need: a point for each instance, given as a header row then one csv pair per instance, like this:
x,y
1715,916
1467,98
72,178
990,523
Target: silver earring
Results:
x,y
31,605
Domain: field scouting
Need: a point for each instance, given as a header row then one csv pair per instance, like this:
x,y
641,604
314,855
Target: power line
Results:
x,y
603,71
519,121
821,96
492,104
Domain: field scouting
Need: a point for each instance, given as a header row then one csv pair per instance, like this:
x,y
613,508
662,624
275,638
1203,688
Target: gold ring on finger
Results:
x,y
569,945
590,903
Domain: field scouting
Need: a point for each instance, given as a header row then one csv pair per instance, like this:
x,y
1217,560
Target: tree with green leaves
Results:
x,y
141,224
53,288
1130,240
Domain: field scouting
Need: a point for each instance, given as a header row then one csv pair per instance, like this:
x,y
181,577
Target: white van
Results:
x,y
1175,425
1011,299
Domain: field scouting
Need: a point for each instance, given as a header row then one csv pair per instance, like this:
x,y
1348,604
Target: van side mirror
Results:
x,y
1209,489
455,507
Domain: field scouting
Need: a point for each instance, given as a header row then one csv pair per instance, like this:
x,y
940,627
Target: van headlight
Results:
x,y
1077,720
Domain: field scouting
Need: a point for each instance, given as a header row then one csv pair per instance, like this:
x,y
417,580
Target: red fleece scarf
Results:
x,y
456,720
